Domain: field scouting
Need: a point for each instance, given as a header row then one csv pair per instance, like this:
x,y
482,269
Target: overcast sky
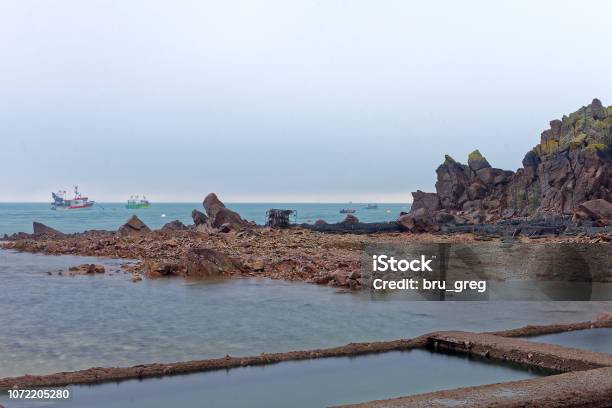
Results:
x,y
283,100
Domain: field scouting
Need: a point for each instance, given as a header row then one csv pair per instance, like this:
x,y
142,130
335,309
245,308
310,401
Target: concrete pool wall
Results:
x,y
582,367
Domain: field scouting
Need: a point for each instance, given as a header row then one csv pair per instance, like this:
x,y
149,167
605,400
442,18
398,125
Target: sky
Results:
x,y
283,101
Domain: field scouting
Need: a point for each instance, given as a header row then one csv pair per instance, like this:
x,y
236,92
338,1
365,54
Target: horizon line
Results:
x,y
226,202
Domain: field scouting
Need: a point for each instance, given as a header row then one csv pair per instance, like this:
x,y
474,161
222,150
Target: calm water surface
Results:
x,y
591,339
311,383
59,323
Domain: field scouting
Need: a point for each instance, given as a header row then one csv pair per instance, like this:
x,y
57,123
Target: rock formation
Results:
x,y
568,172
42,229
199,218
133,226
203,262
350,219
87,269
221,217
175,225
595,210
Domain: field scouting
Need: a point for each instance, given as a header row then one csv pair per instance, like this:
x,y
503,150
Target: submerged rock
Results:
x,y
87,269
163,268
133,226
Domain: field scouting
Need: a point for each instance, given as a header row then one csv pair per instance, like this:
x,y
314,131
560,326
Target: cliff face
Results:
x,y
571,165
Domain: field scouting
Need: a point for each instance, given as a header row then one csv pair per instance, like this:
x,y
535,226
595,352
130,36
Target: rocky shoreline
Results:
x,y
221,243
293,254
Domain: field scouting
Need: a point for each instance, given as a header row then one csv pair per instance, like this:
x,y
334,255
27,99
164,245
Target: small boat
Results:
x,y
372,207
348,211
135,202
60,201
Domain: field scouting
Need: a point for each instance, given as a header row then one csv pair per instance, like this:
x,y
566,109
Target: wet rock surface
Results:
x,y
293,254
87,269
205,262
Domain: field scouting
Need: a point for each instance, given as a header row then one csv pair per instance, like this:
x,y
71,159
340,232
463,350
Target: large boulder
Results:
x,y
41,229
199,218
596,210
175,225
211,202
220,216
419,220
429,201
133,226
205,262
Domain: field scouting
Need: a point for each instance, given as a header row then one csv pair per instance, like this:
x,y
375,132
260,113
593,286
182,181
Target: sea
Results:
x,y
52,322
18,217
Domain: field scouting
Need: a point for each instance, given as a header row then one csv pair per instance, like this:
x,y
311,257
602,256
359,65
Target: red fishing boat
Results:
x,y
60,201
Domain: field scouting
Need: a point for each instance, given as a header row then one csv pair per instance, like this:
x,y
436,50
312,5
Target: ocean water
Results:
x,y
16,217
599,339
52,323
298,384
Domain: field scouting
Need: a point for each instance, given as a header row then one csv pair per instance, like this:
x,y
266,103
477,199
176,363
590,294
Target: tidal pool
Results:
x,y
599,339
309,383
51,323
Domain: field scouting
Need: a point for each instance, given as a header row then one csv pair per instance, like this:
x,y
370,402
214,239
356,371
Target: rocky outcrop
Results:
x,y
205,262
84,269
350,219
420,220
221,217
598,210
429,201
571,166
175,225
133,226
156,269
41,229
199,218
